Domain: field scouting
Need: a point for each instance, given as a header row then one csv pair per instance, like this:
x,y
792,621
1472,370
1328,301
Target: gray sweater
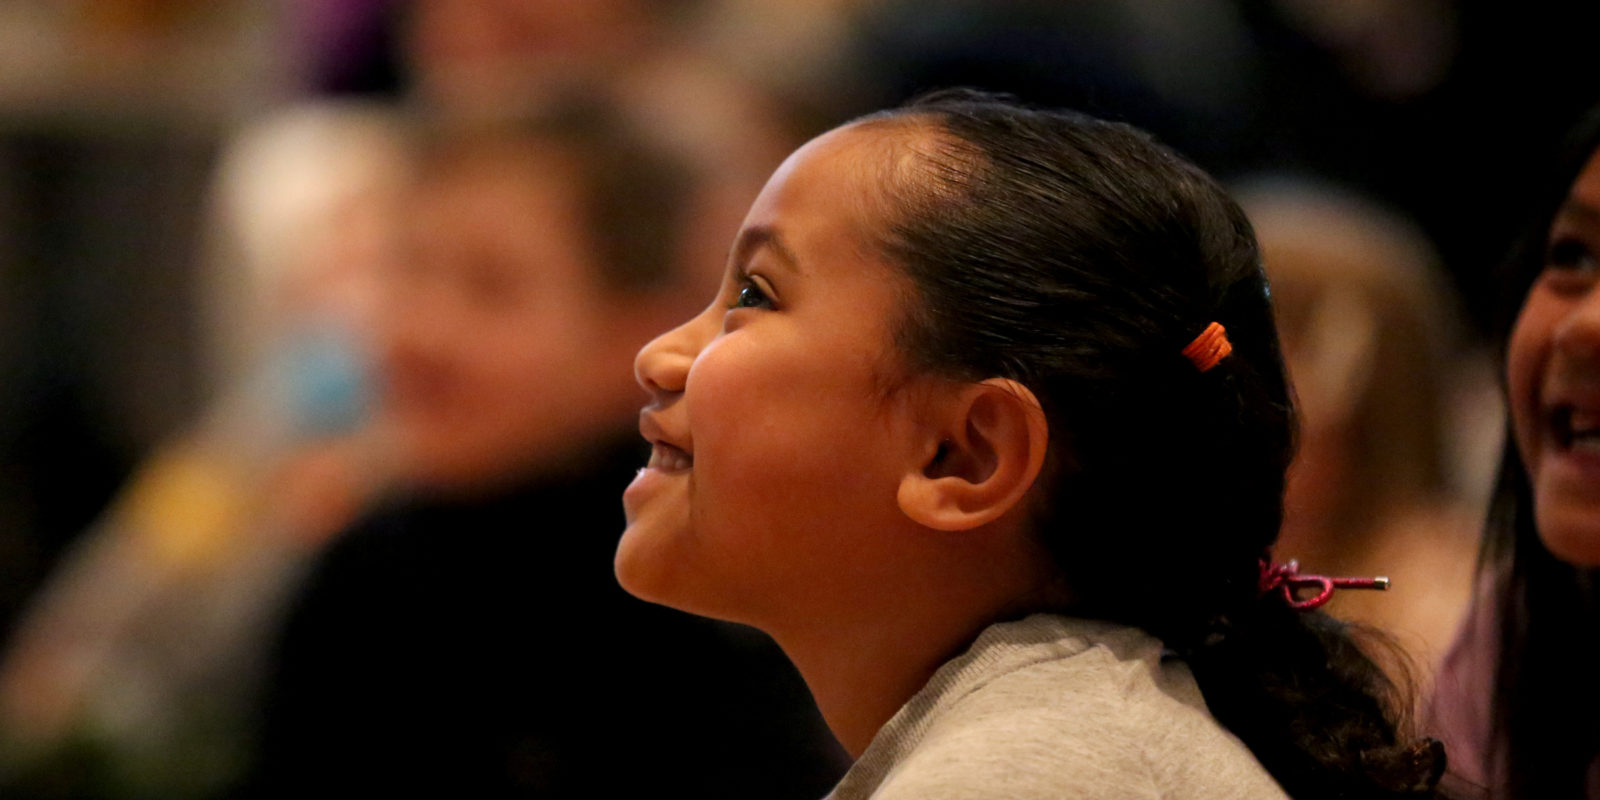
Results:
x,y
1052,707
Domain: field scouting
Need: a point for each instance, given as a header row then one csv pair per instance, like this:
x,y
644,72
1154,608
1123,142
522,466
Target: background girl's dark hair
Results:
x,y
1079,257
1546,608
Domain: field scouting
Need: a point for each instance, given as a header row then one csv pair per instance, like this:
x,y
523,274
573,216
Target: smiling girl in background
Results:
x,y
1537,596
987,427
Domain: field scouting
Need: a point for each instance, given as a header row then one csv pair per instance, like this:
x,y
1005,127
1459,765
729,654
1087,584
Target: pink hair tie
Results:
x,y
1209,347
1287,579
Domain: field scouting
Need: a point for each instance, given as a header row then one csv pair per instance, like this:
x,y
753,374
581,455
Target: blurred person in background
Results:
x,y
467,59
1371,341
134,672
112,114
468,638
1517,700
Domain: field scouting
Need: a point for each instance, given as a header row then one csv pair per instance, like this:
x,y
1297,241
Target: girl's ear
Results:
x,y
979,458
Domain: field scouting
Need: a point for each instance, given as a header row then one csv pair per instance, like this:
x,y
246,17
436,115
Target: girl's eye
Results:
x,y
751,296
1570,266
1569,254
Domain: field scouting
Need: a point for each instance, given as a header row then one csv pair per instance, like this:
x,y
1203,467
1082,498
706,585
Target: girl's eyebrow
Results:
x,y
754,238
1579,209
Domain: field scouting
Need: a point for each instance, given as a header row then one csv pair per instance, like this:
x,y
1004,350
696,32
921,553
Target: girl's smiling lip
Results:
x,y
1572,425
667,461
665,453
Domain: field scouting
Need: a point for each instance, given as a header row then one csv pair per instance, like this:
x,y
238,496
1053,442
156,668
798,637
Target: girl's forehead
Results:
x,y
851,173
874,145
1586,187
830,155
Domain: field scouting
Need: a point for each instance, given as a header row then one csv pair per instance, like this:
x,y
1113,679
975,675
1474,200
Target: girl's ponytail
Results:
x,y
1312,706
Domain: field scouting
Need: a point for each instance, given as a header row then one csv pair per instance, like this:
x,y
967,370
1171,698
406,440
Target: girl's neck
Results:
x,y
867,661
861,676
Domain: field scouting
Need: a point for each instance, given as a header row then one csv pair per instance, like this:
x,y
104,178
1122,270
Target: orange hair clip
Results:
x,y
1209,347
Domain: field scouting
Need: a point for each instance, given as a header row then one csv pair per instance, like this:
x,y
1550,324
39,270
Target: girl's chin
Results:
x,y
650,575
643,569
1570,528
632,571
1578,548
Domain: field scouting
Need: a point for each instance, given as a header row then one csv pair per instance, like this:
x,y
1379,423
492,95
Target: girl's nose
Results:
x,y
662,366
1578,333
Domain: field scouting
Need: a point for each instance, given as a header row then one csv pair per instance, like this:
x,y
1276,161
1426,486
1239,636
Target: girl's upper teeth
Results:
x,y
667,457
1583,423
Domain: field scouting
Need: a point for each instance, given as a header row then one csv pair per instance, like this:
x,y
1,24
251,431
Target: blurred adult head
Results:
x,y
1367,327
477,54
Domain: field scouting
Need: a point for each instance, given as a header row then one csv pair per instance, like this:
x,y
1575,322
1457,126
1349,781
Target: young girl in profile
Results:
x,y
988,429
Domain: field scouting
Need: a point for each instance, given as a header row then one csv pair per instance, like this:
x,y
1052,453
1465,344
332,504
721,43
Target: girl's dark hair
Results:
x,y
1546,608
1079,257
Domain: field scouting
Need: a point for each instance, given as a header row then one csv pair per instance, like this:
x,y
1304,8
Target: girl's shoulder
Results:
x,y
1051,706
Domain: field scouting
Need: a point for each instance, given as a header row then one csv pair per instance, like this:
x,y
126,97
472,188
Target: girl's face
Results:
x,y
778,440
1553,373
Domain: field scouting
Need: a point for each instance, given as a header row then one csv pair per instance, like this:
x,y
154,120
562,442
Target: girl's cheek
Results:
x,y
719,377
738,413
711,390
1526,355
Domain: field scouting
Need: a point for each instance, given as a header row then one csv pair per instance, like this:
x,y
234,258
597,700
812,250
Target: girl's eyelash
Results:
x,y
750,294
